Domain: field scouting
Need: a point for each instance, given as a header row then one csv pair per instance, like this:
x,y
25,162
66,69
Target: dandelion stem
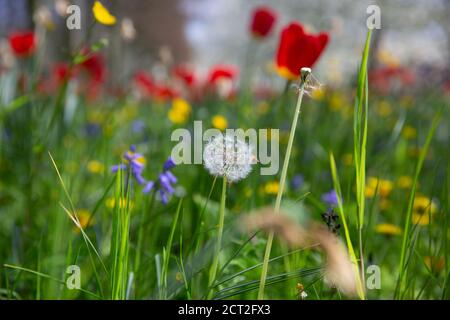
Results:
x,y
215,263
304,78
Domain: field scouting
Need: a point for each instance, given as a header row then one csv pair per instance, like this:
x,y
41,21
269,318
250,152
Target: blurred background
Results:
x,y
414,33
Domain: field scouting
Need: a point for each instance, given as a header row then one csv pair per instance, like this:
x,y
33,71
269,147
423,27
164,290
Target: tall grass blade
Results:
x,y
406,233
342,216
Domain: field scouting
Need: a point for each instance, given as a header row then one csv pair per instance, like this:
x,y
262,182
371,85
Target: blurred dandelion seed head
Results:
x,y
227,156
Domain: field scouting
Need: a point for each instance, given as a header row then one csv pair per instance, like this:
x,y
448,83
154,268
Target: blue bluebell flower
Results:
x,y
164,183
138,126
297,182
330,198
93,129
135,161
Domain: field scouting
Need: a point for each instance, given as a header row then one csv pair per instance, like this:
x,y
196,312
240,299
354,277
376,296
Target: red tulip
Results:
x,y
164,93
298,49
219,72
385,79
186,74
94,65
62,72
262,22
23,44
149,88
145,82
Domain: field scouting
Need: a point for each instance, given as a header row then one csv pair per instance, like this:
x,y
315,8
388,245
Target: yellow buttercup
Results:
x,y
102,14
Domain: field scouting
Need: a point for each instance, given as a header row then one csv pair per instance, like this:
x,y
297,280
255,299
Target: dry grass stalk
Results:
x,y
339,270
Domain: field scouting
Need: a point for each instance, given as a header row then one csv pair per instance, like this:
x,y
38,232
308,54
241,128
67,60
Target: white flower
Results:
x,y
303,295
228,156
61,7
127,30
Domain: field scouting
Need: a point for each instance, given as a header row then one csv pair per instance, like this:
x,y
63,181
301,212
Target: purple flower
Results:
x,y
118,167
164,183
148,187
93,129
138,126
330,198
297,182
135,161
169,164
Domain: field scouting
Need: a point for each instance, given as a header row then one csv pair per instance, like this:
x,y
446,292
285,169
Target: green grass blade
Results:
x,y
337,188
406,233
43,275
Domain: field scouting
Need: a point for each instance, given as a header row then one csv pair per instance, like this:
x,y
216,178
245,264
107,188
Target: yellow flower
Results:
x,y
388,228
406,102
181,105
383,186
95,167
414,152
336,102
369,192
271,187
384,204
129,112
102,14
262,107
347,158
384,109
423,210
179,277
347,111
424,204
404,182
434,264
111,203
318,94
219,122
248,192
85,219
409,132
387,58
420,219
180,111
108,130
96,116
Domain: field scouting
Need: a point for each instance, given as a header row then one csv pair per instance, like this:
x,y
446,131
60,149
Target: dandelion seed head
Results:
x,y
228,156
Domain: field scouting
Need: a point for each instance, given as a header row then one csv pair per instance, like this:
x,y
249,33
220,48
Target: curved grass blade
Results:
x,y
43,275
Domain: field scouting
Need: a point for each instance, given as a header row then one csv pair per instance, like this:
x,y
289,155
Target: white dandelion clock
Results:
x,y
228,156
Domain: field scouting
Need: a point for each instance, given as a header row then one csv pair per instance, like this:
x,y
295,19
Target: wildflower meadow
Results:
x,y
177,180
